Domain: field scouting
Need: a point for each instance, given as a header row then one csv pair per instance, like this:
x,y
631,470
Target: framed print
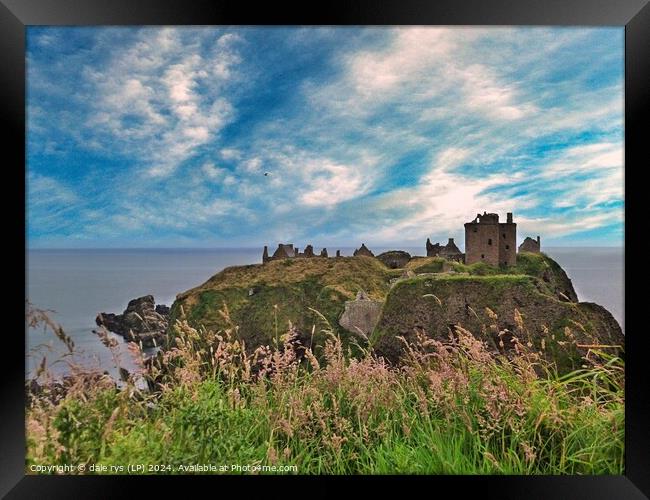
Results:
x,y
380,242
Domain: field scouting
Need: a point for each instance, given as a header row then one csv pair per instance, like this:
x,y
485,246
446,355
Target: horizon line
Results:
x,y
249,247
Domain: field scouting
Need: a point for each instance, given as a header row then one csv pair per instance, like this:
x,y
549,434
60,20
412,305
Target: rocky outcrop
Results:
x,y
436,304
56,389
162,309
361,315
142,321
550,272
395,259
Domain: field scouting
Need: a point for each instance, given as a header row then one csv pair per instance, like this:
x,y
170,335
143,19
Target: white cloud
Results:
x,y
451,157
484,93
161,97
251,165
589,158
408,59
44,190
330,184
197,133
429,88
421,64
440,203
558,226
588,175
229,180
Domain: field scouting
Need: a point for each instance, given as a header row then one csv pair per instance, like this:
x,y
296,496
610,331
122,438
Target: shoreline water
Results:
x,y
80,283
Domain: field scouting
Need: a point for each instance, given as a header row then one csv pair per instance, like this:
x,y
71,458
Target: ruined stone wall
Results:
x,y
433,250
530,245
508,244
288,251
363,250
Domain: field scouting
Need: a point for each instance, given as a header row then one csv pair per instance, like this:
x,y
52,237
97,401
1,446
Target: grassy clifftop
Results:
x,y
263,298
537,265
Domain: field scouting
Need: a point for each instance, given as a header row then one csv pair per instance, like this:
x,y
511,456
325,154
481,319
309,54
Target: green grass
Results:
x,y
200,425
538,265
426,265
493,280
451,408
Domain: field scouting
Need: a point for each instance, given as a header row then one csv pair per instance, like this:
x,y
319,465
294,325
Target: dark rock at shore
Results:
x,y
142,321
56,390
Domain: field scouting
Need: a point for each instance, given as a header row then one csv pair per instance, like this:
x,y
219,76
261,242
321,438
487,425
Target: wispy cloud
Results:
x,y
162,97
50,204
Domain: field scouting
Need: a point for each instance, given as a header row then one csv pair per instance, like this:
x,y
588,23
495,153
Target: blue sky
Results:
x,y
161,137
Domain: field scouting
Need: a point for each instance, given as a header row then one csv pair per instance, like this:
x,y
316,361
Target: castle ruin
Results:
x,y
433,249
287,251
363,250
530,245
486,240
449,252
490,241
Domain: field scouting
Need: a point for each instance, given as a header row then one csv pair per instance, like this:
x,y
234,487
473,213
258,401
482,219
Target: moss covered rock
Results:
x,y
262,299
515,305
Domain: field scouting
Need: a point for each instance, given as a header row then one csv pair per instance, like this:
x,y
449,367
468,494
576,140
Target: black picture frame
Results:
x,y
15,15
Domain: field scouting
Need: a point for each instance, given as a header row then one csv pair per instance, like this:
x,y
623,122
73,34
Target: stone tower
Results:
x,y
487,240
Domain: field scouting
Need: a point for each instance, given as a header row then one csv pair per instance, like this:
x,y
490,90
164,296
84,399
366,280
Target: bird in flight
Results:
x,y
266,174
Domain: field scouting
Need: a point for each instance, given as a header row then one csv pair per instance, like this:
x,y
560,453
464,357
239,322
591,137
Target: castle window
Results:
x,y
507,247
489,241
482,256
504,236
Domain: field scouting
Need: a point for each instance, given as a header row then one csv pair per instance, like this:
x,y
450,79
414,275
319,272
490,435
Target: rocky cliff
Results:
x,y
429,294
494,308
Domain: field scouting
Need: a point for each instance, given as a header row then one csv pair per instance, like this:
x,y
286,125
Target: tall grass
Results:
x,y
453,407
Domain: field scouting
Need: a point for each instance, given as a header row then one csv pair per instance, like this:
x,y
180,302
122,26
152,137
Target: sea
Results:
x,y
73,286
